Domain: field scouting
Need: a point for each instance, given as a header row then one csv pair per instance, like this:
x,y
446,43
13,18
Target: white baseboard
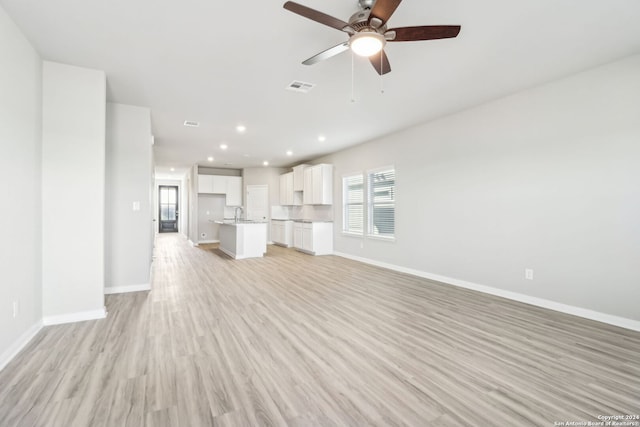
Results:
x,y
125,289
191,242
527,299
75,317
17,346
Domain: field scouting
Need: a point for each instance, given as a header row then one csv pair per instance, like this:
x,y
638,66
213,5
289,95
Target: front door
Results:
x,y
168,208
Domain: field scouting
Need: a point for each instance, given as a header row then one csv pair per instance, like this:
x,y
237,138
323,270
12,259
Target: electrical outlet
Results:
x,y
528,274
16,309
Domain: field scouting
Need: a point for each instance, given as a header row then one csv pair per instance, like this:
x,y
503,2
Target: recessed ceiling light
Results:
x,y
246,155
191,123
289,153
265,163
172,169
223,146
210,158
322,138
241,128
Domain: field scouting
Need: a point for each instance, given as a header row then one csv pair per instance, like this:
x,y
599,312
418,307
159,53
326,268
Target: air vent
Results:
x,y
303,87
191,124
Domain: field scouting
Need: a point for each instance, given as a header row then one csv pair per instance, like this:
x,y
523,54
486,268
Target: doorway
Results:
x,y
168,208
257,202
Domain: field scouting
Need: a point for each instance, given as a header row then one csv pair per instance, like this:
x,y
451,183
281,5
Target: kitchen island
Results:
x,y
243,239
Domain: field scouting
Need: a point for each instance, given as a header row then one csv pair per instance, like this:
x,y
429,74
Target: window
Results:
x,y
353,204
381,212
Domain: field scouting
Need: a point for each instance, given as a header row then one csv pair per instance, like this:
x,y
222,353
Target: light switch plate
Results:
x,y
136,206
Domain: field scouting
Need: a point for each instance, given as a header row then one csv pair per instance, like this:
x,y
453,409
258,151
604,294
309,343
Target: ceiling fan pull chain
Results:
x,y
353,96
381,75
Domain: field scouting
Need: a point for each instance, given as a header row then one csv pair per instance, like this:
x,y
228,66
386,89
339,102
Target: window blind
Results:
x,y
353,204
382,186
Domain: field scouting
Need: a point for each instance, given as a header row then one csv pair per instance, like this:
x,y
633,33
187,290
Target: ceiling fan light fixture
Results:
x,y
367,43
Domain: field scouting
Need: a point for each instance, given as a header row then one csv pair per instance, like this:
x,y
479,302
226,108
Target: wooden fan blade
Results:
x,y
383,9
332,51
314,15
382,67
427,32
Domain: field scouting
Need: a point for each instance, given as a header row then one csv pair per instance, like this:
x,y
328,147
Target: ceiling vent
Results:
x,y
298,86
191,124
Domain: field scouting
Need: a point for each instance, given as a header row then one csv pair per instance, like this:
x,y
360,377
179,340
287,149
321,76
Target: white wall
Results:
x,y
128,181
20,205
546,179
73,192
211,207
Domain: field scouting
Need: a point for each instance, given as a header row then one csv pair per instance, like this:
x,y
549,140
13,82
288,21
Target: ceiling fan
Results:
x,y
368,33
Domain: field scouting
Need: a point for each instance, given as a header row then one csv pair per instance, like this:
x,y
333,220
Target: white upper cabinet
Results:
x,y
298,177
318,185
283,190
307,193
230,186
205,184
219,184
286,189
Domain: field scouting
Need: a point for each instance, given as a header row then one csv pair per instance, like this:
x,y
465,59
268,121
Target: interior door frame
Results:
x,y
177,207
264,187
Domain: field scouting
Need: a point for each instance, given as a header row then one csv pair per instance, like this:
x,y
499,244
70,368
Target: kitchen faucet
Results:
x,y
236,217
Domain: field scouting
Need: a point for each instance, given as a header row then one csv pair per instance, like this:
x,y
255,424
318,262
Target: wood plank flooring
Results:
x,y
296,340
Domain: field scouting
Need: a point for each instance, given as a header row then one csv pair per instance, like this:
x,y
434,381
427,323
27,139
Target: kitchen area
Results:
x,y
244,210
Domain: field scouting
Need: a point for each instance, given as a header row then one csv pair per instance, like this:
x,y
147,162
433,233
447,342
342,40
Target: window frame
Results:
x,y
346,204
370,202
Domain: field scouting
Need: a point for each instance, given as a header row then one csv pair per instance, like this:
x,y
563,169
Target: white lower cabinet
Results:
x,y
315,238
282,232
297,235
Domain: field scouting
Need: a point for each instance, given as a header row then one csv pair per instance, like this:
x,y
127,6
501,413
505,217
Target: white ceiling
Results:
x,y
226,63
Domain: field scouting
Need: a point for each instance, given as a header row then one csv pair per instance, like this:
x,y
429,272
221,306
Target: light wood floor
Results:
x,y
298,340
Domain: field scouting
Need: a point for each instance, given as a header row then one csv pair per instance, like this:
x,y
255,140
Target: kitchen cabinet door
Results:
x,y
318,185
323,185
298,177
283,190
297,235
205,184
307,237
289,183
316,180
307,194
314,238
219,184
276,232
286,189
